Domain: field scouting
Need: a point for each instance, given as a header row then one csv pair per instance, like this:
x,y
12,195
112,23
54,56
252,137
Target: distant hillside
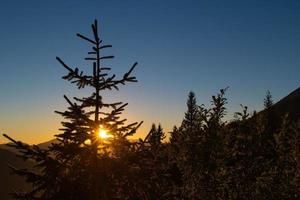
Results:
x,y
4,146
9,182
289,104
43,145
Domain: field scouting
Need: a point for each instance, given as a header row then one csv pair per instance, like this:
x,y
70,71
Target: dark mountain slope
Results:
x,y
43,145
9,182
289,104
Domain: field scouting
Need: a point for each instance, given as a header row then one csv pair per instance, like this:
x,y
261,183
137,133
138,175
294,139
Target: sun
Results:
x,y
103,134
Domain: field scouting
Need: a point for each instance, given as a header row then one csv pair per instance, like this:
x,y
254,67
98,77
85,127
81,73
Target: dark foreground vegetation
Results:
x,y
255,156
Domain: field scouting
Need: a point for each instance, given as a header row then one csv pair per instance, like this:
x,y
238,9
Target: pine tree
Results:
x,y
83,165
191,118
271,121
198,148
270,116
189,130
156,136
185,146
268,101
174,136
151,137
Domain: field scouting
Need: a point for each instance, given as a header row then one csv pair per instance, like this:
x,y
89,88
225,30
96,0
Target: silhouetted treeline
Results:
x,y
244,159
252,157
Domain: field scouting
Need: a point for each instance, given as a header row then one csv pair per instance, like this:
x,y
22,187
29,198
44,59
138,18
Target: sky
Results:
x,y
180,45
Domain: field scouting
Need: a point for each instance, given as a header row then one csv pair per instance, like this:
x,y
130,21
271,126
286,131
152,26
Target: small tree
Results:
x,y
83,165
191,118
156,136
197,147
268,101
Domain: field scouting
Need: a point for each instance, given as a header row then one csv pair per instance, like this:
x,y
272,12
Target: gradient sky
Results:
x,y
201,45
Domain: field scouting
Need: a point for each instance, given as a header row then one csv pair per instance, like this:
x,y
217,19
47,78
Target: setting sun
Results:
x,y
103,134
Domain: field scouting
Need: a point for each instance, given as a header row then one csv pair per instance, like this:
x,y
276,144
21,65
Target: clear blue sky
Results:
x,y
201,45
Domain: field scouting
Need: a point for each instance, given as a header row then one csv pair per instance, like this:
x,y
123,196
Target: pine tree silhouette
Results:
x,y
185,142
191,118
197,146
252,157
156,136
268,101
83,165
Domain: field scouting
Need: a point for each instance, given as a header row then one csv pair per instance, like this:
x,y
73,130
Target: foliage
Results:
x,y
251,157
82,165
156,136
248,158
268,101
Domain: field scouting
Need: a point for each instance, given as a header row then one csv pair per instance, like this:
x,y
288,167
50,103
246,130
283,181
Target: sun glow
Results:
x,y
103,134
